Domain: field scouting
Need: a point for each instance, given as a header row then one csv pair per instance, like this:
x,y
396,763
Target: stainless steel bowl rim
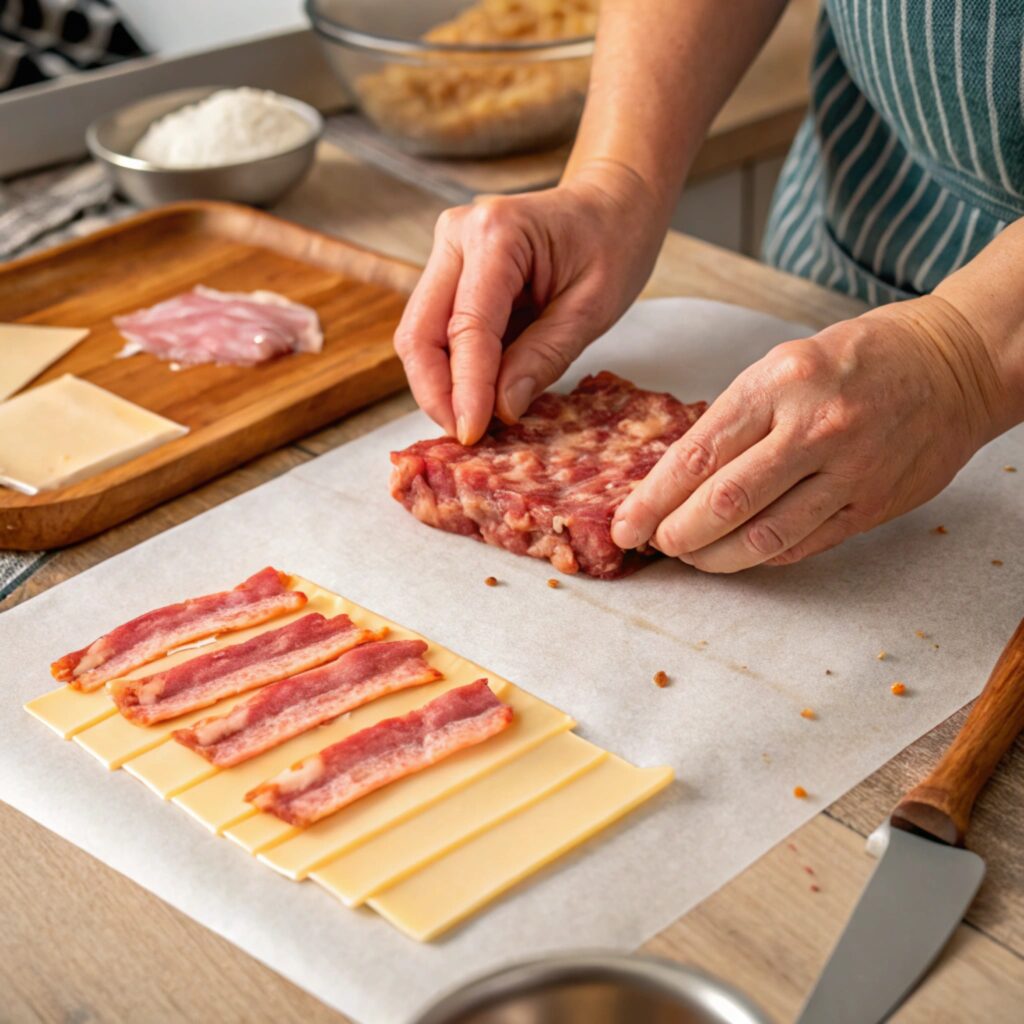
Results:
x,y
369,42
308,113
589,965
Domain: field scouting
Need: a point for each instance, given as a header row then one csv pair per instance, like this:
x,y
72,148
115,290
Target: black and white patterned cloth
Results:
x,y
44,39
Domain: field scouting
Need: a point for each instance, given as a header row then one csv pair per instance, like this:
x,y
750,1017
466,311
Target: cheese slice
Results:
x,y
69,429
445,892
67,710
398,852
28,349
533,723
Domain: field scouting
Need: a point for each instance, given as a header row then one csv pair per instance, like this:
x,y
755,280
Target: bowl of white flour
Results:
x,y
243,145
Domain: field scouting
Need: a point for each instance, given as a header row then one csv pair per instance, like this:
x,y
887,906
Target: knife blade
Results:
x,y
924,881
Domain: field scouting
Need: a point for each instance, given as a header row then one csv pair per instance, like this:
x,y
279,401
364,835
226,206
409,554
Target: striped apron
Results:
x,y
911,157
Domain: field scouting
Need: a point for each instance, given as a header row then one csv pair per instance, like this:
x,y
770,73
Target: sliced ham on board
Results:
x,y
148,637
548,485
210,326
294,705
343,772
267,657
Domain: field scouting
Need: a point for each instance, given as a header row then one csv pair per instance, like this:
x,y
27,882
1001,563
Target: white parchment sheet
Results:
x,y
729,724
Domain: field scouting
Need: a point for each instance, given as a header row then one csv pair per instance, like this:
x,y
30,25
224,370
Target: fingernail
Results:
x,y
685,558
519,395
624,534
462,429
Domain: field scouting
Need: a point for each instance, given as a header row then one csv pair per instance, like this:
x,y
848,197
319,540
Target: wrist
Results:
x,y
986,296
951,342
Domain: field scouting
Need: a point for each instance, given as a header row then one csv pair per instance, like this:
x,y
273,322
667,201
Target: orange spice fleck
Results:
x,y
809,869
1009,469
807,713
940,530
997,561
898,689
554,584
661,679
799,792
882,655
491,581
920,634
815,888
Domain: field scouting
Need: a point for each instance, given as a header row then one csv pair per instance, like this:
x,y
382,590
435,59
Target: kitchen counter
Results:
x,y
82,943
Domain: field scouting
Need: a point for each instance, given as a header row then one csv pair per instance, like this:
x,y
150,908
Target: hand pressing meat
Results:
x,y
829,435
825,438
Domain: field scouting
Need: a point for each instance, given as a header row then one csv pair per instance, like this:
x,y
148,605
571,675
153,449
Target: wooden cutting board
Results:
x,y
233,413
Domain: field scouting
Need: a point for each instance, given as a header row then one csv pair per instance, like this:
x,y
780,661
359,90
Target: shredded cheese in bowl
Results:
x,y
228,127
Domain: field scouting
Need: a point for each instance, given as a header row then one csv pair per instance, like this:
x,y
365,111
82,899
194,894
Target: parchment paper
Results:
x,y
729,723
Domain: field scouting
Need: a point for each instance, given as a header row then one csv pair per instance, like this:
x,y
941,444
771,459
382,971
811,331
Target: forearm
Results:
x,y
988,293
662,69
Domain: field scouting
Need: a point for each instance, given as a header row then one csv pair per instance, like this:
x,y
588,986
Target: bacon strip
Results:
x,y
343,772
292,706
144,639
275,654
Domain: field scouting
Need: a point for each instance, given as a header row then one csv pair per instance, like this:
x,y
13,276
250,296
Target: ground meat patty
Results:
x,y
549,485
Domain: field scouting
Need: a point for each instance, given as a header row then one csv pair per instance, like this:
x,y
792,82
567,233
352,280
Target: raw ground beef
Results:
x,y
549,485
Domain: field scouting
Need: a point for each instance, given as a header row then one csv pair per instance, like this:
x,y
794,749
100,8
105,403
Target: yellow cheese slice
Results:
x,y
66,711
533,723
169,768
398,852
256,832
28,349
68,429
445,892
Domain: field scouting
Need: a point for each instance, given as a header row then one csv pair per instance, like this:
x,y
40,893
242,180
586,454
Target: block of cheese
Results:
x,y
445,892
533,722
28,349
68,429
405,848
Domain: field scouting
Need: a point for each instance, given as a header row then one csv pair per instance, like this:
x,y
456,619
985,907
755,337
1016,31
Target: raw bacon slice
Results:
x,y
549,485
208,326
144,639
344,772
270,656
294,705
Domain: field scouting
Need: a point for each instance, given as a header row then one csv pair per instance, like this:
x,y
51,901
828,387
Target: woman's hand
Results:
x,y
516,287
823,438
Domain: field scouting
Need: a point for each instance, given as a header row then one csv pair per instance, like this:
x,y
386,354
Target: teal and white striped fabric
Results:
x,y
911,158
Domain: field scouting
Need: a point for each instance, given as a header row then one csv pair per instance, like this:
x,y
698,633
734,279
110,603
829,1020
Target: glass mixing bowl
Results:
x,y
457,79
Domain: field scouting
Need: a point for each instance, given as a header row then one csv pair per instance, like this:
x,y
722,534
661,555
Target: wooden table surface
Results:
x,y
80,943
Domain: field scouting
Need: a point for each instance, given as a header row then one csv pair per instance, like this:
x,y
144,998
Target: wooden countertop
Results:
x,y
83,943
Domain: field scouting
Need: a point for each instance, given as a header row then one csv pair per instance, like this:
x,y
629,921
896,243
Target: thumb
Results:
x,y
538,357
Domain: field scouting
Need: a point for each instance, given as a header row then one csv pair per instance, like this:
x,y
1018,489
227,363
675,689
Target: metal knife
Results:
x,y
925,880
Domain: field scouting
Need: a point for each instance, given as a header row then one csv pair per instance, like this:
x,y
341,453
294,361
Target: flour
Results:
x,y
228,127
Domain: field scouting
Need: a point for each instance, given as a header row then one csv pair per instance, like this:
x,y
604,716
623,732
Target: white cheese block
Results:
x,y
28,349
69,429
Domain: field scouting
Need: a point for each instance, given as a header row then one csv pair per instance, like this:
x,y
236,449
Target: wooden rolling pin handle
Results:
x,y
941,805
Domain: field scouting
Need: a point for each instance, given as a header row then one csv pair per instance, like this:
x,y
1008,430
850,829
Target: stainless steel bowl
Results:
x,y
451,99
259,182
594,988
